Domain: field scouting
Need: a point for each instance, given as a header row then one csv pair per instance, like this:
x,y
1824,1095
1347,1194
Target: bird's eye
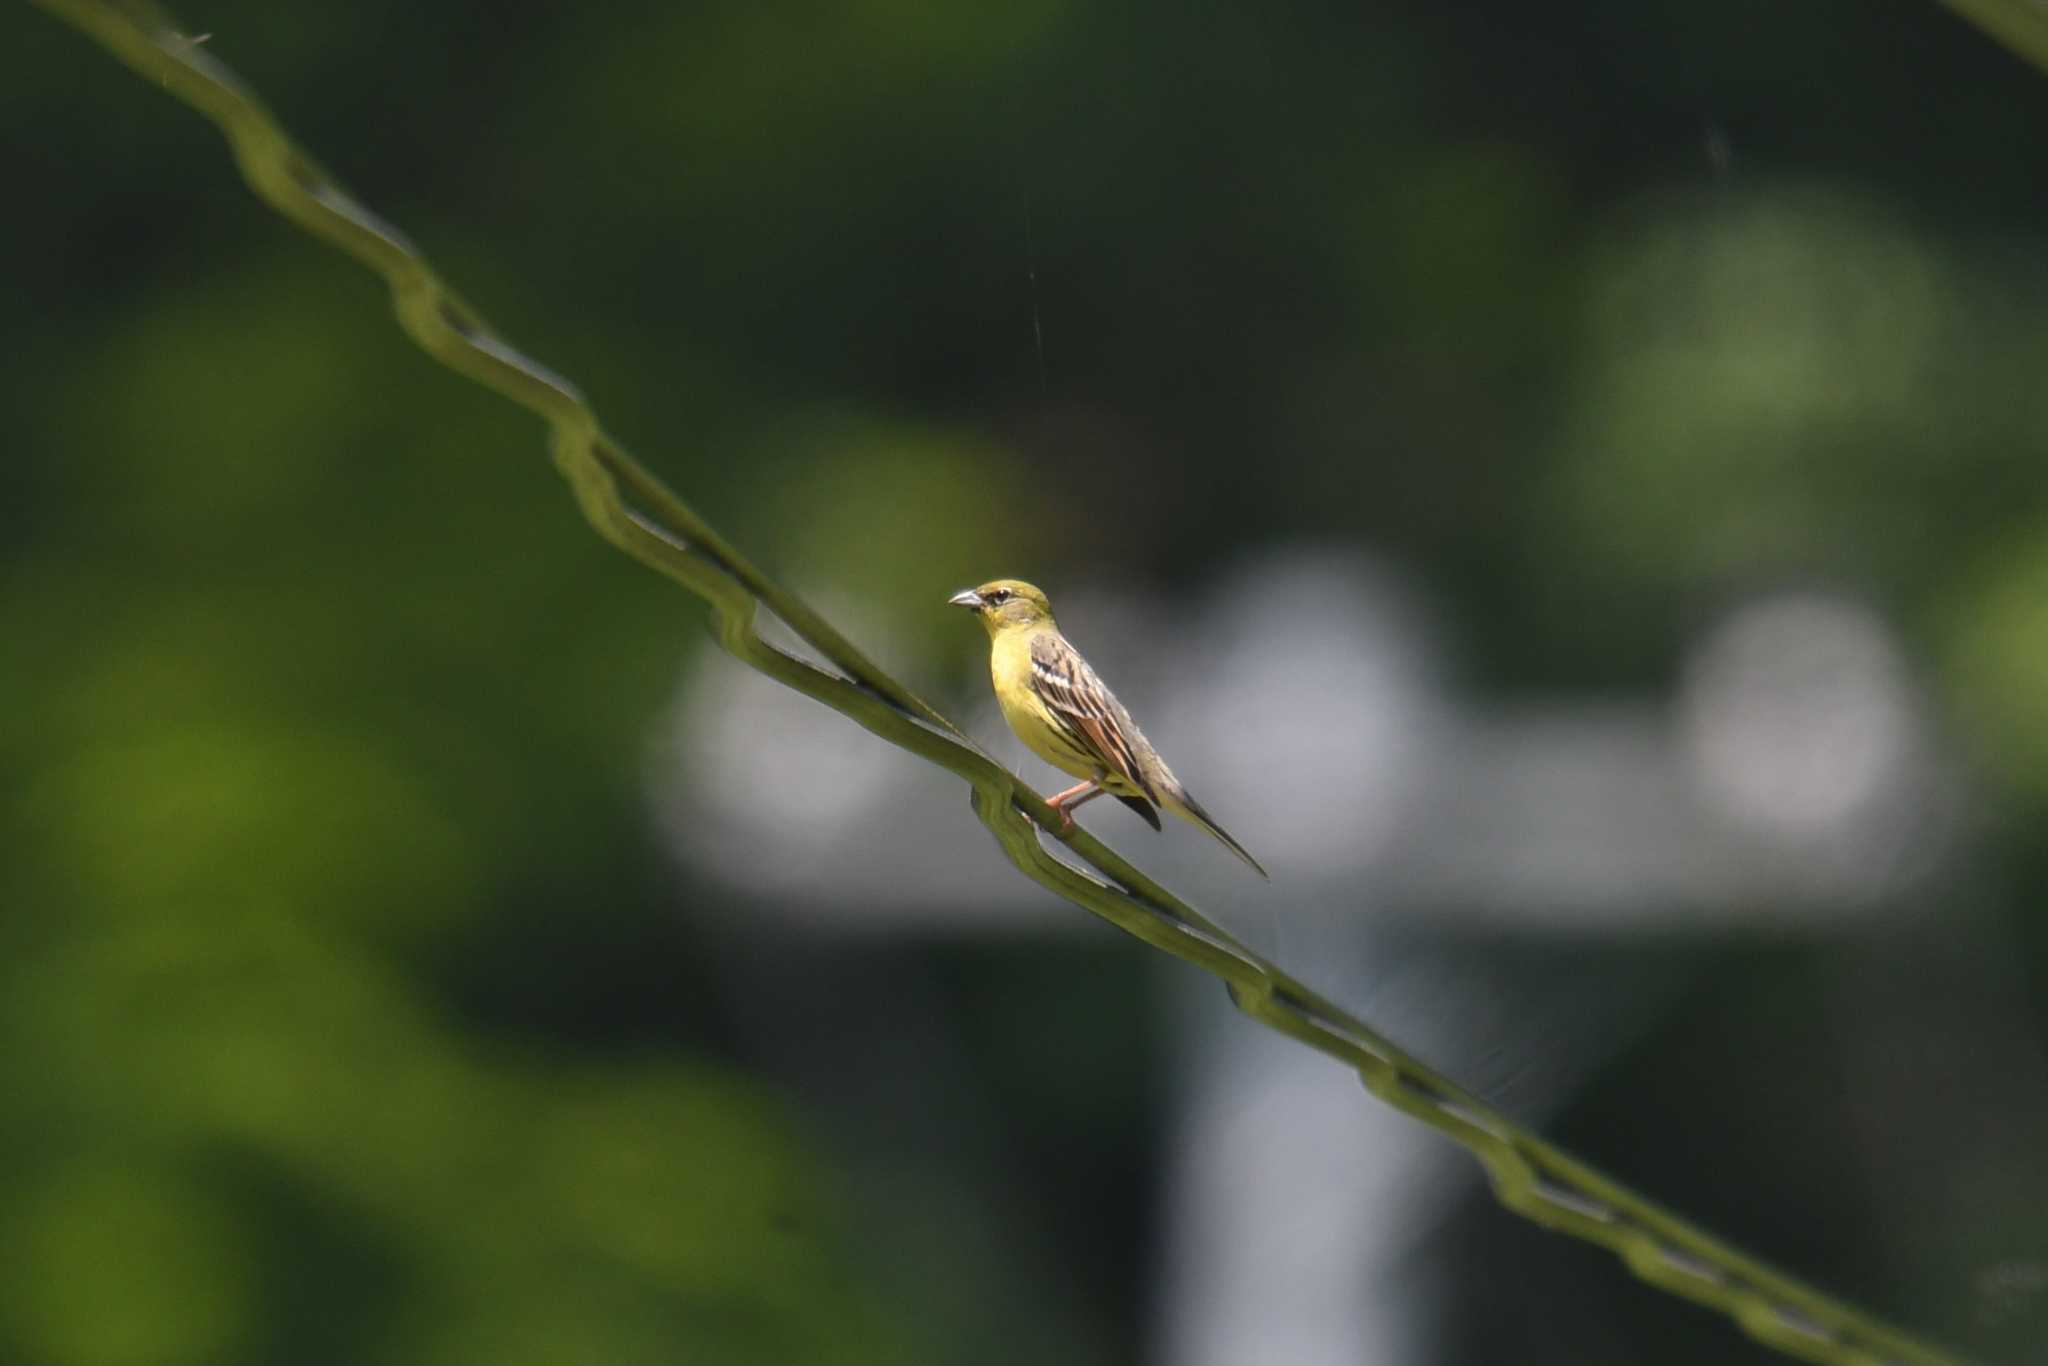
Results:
x,y
999,595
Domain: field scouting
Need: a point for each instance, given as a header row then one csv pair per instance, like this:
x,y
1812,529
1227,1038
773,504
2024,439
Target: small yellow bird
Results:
x,y
1058,707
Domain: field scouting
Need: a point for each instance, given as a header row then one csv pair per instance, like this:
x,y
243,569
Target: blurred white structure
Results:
x,y
1792,776
1791,781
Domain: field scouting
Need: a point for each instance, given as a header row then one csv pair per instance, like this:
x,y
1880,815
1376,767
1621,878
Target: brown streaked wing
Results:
x,y
1084,708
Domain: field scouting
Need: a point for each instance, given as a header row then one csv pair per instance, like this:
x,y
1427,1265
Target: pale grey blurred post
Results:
x,y
1794,770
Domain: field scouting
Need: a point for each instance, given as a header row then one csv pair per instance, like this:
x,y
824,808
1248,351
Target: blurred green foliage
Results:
x,y
344,1011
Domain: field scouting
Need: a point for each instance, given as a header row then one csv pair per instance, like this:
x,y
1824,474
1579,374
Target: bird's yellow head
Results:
x,y
1005,604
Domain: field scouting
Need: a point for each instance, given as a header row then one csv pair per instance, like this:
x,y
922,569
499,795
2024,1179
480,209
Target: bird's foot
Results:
x,y
1065,802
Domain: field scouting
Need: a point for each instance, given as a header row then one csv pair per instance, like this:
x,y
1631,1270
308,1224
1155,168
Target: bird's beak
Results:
x,y
965,598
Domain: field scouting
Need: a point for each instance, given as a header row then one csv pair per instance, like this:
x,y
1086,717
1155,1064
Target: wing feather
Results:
x,y
1145,809
1085,709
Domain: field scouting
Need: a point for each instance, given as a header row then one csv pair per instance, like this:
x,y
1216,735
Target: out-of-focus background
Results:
x,y
1568,486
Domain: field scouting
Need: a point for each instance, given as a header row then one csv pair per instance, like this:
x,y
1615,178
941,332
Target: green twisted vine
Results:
x,y
2020,25
633,510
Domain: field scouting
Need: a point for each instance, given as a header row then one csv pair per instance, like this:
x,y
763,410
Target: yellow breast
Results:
x,y
1009,663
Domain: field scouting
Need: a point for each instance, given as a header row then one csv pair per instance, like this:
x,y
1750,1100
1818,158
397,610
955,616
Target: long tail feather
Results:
x,y
1194,811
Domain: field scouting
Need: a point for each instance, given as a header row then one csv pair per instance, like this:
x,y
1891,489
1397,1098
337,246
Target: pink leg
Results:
x,y
1065,802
